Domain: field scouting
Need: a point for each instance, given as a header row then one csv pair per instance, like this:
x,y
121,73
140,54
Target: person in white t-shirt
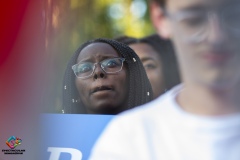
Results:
x,y
199,119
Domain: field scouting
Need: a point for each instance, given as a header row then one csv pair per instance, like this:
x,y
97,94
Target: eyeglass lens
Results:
x,y
86,69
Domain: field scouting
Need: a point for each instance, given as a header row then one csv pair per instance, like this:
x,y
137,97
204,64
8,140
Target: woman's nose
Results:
x,y
98,73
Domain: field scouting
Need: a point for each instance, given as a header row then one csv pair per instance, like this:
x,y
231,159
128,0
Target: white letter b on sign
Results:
x,y
56,152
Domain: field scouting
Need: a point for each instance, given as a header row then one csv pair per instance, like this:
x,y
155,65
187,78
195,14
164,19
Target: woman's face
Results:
x,y
102,93
152,64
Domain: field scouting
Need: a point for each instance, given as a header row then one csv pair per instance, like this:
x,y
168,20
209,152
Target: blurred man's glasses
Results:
x,y
195,25
86,69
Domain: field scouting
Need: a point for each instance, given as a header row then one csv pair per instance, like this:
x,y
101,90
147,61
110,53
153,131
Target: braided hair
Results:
x,y
139,91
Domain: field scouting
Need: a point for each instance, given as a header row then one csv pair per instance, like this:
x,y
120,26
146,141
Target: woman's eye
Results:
x,y
149,66
84,68
112,63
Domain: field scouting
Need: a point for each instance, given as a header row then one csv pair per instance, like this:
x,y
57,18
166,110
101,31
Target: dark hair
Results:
x,y
162,3
166,52
140,90
127,39
168,59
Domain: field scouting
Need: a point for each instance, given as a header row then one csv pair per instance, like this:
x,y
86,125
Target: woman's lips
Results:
x,y
101,89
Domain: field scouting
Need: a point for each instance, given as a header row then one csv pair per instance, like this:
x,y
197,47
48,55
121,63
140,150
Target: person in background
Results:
x,y
200,118
157,56
104,77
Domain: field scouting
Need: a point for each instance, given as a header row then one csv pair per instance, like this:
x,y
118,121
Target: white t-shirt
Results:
x,y
161,130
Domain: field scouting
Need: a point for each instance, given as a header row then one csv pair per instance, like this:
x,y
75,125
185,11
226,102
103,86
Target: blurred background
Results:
x,y
69,23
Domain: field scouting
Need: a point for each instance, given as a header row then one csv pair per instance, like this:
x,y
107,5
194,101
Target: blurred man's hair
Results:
x,y
162,3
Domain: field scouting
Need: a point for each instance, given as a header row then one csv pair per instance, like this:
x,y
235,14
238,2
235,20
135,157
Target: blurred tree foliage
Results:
x,y
69,23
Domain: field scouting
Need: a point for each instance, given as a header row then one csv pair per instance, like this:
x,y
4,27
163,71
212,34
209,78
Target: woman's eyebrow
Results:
x,y
108,56
101,57
147,59
83,60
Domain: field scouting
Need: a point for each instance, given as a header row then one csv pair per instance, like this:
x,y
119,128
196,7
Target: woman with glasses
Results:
x,y
104,77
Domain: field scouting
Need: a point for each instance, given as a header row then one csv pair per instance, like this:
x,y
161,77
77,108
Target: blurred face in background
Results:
x,y
152,64
206,35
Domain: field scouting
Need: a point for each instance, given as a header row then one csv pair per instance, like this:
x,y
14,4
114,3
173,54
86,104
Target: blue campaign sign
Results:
x,y
70,136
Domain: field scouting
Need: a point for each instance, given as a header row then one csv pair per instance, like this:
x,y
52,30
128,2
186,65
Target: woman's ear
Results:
x,y
159,20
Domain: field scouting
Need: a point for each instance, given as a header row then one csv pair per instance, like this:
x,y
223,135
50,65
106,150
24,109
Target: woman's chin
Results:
x,y
105,107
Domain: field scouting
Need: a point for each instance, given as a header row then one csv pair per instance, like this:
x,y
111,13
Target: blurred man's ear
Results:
x,y
159,20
